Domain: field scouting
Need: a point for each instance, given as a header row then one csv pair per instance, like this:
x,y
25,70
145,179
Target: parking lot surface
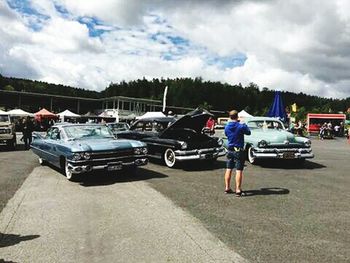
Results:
x,y
290,213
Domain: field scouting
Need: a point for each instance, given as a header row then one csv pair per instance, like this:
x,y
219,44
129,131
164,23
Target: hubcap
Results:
x,y
169,158
68,172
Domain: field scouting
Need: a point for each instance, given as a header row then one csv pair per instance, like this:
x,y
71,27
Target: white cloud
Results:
x,y
289,45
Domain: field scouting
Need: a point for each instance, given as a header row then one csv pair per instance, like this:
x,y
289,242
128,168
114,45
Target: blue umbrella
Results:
x,y
277,108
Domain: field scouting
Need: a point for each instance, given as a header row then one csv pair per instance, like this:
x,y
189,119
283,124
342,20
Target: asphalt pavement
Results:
x,y
290,214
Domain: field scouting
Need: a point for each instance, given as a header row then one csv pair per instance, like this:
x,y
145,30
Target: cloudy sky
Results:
x,y
294,45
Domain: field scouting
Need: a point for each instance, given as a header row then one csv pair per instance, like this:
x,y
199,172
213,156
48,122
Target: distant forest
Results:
x,y
192,93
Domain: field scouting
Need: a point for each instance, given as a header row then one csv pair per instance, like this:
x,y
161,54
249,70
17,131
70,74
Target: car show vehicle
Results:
x,y
80,148
7,131
270,140
177,140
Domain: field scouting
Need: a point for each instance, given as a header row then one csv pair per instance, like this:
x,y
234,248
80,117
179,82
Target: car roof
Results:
x,y
261,118
158,119
68,124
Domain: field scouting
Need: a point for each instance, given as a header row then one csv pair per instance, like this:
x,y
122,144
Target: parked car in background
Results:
x,y
7,131
117,127
270,140
80,148
177,140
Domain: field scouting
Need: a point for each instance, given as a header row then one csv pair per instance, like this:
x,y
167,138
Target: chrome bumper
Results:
x,y
202,154
78,169
302,153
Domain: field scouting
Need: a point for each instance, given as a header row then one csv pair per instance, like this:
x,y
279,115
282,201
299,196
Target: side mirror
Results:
x,y
36,136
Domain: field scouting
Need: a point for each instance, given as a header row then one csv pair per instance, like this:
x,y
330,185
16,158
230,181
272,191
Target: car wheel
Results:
x,y
169,158
251,157
12,143
68,172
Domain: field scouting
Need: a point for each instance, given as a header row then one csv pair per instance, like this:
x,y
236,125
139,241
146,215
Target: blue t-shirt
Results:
x,y
234,132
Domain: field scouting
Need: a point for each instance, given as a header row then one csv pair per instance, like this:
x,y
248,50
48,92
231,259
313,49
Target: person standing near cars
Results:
x,y
234,132
28,128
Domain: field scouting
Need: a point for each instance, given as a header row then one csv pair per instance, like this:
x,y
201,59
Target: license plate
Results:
x,y
288,155
114,167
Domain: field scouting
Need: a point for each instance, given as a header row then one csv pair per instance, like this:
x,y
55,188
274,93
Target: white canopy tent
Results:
x,y
68,114
3,112
244,114
19,113
151,114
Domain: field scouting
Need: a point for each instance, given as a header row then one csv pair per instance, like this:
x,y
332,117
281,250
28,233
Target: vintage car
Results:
x,y
7,131
80,148
176,140
270,140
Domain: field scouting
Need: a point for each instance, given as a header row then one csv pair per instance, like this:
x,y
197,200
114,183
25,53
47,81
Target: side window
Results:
x,y
138,126
55,134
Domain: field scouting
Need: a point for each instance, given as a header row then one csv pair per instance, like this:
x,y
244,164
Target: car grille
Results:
x,y
286,146
3,131
111,155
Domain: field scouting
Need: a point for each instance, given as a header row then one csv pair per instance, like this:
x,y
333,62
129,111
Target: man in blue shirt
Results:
x,y
234,132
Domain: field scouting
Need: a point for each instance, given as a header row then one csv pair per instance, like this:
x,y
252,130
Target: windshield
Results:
x,y
118,126
264,124
151,125
4,118
88,131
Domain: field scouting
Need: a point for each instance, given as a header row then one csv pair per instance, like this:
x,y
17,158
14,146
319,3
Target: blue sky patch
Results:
x,y
34,18
92,23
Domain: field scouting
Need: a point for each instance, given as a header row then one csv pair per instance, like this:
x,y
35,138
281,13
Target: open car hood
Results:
x,y
194,120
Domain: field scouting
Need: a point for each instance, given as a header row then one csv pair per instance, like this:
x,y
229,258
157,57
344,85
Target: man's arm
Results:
x,y
246,130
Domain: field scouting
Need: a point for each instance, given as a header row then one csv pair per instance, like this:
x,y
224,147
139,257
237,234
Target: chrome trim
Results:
x,y
87,168
108,159
200,156
159,144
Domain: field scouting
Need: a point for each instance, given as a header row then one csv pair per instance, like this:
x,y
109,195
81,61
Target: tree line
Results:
x,y
191,93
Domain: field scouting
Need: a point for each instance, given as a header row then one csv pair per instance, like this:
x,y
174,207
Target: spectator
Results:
x,y
211,125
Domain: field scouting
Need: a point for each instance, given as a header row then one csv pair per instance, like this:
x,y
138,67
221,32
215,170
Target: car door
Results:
x,y
53,139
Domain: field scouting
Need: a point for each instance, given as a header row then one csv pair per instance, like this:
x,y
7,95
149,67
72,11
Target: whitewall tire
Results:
x,y
251,157
68,172
169,158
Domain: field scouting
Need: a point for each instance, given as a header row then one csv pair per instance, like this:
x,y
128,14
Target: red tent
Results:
x,y
315,120
44,113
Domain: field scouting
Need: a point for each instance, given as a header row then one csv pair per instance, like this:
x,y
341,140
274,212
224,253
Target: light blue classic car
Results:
x,y
270,140
80,148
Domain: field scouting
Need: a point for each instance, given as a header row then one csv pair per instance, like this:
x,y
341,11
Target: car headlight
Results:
x,y
86,156
262,144
77,156
307,143
220,142
137,150
183,145
141,150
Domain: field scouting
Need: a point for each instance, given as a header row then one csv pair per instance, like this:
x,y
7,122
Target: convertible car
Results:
x,y
176,140
79,148
270,140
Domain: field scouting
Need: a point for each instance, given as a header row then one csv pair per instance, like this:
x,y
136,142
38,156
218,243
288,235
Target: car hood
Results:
x,y
194,120
104,145
272,136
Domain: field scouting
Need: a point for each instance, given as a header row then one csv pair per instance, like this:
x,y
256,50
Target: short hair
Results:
x,y
233,115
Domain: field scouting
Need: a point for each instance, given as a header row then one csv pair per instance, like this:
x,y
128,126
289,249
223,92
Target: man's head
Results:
x,y
233,114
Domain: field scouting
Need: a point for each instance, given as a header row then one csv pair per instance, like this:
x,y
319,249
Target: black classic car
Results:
x,y
176,140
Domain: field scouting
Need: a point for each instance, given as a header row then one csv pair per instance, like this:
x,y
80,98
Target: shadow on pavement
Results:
x,y
19,147
267,191
7,240
290,164
5,261
108,178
